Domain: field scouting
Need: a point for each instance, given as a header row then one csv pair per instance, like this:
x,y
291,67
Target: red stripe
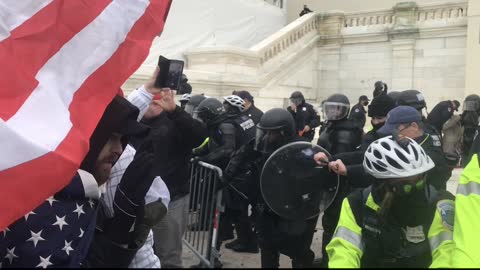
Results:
x,y
26,51
28,185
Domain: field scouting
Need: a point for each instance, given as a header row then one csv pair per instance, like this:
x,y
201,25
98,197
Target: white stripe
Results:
x,y
15,12
43,121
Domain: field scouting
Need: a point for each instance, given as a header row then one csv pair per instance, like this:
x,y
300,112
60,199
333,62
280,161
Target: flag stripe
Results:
x,y
60,78
14,13
27,51
38,179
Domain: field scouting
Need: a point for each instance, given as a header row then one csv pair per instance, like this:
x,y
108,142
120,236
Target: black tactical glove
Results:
x,y
130,197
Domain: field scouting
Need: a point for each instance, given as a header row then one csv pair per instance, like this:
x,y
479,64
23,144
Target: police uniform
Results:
x,y
254,113
439,175
467,210
306,115
440,114
362,240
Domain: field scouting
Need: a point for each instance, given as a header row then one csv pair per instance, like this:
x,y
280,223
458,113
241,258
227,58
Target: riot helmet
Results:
x,y
193,103
472,103
184,100
233,104
297,98
336,107
208,110
276,128
412,98
394,95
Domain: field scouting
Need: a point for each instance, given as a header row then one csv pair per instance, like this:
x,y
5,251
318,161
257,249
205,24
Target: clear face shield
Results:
x,y
470,106
296,101
267,141
189,108
196,115
335,111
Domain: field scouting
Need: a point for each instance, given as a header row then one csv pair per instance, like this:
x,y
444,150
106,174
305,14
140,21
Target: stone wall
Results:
x,y
407,46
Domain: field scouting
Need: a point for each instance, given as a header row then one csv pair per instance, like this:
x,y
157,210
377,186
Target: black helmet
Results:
x,y
412,98
193,103
276,128
472,103
208,110
297,98
336,107
394,95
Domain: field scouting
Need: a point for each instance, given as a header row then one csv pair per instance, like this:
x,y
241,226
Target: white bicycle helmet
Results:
x,y
185,97
235,101
385,158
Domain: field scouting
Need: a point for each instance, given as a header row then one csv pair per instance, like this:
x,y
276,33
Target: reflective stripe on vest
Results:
x,y
437,240
469,188
349,236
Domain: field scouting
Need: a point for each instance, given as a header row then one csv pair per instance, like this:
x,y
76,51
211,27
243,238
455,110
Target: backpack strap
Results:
x,y
357,200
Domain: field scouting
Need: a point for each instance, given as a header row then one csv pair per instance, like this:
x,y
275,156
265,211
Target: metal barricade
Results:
x,y
205,207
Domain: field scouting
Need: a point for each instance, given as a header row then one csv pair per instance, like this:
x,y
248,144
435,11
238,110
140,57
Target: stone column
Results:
x,y
403,36
472,84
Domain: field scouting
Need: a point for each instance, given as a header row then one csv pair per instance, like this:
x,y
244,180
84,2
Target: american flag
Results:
x,y
62,63
57,233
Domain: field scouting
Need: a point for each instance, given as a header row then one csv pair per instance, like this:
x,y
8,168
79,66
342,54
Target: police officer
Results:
x,y
358,112
467,205
250,110
441,113
305,115
275,234
469,121
406,121
193,103
349,164
339,135
416,100
380,88
184,100
400,221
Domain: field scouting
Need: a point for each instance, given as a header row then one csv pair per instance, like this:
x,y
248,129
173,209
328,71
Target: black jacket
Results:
x,y
440,114
306,115
340,136
439,175
254,113
173,136
358,114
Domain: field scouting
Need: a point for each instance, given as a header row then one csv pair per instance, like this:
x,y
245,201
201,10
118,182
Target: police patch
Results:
x,y
436,140
357,110
446,209
304,109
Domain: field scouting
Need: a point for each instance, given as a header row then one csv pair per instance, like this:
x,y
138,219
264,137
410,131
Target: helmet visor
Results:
x,y
189,108
296,101
470,106
335,110
267,141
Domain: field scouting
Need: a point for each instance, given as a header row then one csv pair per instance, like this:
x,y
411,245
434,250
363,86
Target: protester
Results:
x,y
452,136
305,10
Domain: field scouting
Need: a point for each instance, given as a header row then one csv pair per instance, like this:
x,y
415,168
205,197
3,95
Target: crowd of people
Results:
x,y
128,203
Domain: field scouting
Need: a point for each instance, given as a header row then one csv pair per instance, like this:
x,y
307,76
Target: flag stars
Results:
x,y
11,254
81,233
68,247
51,200
92,204
36,237
79,210
29,213
60,222
44,262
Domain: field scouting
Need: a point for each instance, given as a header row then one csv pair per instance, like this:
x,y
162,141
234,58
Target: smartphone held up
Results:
x,y
170,74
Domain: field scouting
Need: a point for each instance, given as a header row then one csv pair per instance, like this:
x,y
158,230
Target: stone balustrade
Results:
x,y
369,18
286,37
442,12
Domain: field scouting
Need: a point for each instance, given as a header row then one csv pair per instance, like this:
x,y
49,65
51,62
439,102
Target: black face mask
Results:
x,y
377,126
365,103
